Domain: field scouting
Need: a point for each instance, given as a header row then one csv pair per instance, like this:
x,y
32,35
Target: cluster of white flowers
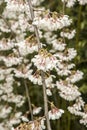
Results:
x,y
44,61
16,118
10,61
5,74
6,45
36,79
26,48
36,110
64,69
7,88
18,58
68,91
12,98
55,113
4,112
84,119
78,75
77,107
23,71
71,3
58,44
68,55
49,37
3,26
13,5
36,124
19,15
68,34
52,23
7,96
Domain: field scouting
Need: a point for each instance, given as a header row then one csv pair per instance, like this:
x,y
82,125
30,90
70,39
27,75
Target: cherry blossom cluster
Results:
x,y
37,124
23,62
44,61
71,3
8,97
55,113
52,21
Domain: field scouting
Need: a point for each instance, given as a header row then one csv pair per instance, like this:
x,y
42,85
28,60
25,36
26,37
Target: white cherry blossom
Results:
x,y
4,112
49,23
36,110
26,48
55,113
69,3
58,44
67,56
48,91
84,119
23,71
68,34
44,61
10,61
76,76
77,107
68,91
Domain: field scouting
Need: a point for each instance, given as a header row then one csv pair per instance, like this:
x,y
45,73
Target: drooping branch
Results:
x,y
42,73
35,27
29,101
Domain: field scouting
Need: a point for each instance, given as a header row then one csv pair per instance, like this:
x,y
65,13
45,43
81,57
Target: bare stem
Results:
x,y
63,8
29,101
45,100
35,27
42,73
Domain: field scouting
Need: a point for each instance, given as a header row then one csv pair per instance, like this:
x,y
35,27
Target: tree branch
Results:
x,y
42,73
29,101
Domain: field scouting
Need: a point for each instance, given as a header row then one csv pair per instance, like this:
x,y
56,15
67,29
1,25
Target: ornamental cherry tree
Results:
x,y
34,54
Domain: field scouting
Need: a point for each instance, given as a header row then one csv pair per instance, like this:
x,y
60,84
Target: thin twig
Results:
x,y
45,100
42,73
63,8
29,101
